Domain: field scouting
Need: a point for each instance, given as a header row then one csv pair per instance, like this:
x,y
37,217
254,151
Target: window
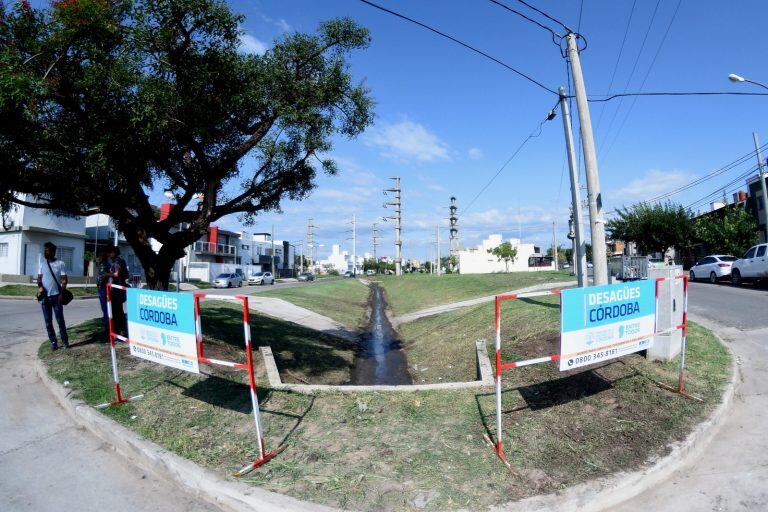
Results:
x,y
4,250
760,251
65,254
750,253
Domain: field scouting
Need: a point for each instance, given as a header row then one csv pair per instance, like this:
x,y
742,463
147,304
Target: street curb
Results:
x,y
607,493
202,483
32,297
602,494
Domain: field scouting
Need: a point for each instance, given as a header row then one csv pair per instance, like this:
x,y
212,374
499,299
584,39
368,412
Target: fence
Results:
x,y
264,455
498,444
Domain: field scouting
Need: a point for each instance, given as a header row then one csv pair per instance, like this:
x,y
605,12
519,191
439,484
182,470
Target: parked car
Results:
x,y
753,266
349,273
261,278
713,267
228,281
370,272
306,276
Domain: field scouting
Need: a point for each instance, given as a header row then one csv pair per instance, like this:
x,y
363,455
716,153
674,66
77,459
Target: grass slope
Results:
x,y
380,451
344,301
28,290
419,291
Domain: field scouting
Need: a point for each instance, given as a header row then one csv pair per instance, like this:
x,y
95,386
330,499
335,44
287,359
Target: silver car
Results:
x,y
228,281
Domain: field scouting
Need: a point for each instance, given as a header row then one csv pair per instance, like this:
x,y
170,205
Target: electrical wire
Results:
x,y
510,9
535,133
682,93
581,11
645,77
618,59
631,74
702,201
462,43
565,27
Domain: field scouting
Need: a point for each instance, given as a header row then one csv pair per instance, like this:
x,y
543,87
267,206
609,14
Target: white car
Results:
x,y
261,278
753,266
713,267
228,281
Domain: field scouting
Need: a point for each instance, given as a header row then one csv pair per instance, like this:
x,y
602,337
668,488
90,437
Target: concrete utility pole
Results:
x,y
437,232
272,237
310,242
354,245
762,184
596,220
453,240
554,245
579,248
398,226
375,242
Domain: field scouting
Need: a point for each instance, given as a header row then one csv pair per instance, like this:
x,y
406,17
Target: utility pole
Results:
x,y
596,220
554,245
310,242
762,184
272,237
354,245
453,240
579,249
437,232
375,242
398,226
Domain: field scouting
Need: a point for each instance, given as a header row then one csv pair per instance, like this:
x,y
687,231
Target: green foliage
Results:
x,y
504,252
103,101
653,227
729,230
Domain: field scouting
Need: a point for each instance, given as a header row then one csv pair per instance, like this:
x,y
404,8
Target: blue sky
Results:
x,y
447,119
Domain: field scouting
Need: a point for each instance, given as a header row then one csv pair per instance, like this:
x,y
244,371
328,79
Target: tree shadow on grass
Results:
x,y
544,395
296,348
538,302
87,333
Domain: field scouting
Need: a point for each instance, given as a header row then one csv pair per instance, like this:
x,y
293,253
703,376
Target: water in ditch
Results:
x,y
380,358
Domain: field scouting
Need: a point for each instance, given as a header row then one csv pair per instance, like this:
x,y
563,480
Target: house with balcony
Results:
x,y
23,232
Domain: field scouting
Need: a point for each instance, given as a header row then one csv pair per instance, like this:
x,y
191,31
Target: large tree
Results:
x,y
653,227
729,230
104,101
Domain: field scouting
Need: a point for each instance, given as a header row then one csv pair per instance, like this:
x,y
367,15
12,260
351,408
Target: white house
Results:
x,y
478,260
23,232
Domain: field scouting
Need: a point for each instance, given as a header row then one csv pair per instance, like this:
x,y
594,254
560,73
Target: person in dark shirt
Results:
x,y
118,274
103,270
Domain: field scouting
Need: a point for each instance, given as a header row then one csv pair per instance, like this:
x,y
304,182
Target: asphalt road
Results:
x,y
731,473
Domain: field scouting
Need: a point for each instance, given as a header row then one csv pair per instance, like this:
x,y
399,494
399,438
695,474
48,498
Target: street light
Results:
x,y
739,79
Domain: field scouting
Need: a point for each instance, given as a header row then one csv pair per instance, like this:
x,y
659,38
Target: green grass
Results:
x,y
28,290
419,291
381,451
202,285
344,301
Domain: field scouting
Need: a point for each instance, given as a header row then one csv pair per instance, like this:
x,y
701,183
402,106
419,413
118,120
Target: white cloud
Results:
x,y
406,141
279,23
650,185
250,44
475,153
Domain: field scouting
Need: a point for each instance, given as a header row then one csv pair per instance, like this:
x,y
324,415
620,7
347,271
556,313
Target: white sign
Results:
x,y
605,322
161,328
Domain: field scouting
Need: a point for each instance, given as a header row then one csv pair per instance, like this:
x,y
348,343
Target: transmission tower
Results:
x,y
454,236
398,226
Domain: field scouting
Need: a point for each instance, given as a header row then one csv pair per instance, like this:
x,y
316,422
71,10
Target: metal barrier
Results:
x,y
498,444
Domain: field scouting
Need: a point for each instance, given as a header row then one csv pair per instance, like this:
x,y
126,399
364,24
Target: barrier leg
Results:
x,y
498,445
264,457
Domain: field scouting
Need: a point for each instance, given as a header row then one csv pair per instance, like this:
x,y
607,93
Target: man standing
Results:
x,y
51,280
118,274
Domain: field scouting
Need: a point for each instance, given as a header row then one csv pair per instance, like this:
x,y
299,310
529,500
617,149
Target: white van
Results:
x,y
753,266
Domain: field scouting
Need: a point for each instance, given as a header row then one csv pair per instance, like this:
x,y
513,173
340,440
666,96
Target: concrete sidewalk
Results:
x,y
410,317
285,310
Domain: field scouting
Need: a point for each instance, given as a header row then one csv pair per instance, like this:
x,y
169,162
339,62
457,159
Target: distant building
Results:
x,y
478,260
756,203
23,232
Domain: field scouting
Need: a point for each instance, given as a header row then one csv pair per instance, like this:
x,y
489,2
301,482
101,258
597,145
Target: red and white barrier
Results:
x,y
498,445
264,456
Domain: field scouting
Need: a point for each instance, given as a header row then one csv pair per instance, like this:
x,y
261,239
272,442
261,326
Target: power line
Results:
x,y
618,58
515,11
645,77
581,11
462,43
634,68
700,202
681,93
565,27
535,133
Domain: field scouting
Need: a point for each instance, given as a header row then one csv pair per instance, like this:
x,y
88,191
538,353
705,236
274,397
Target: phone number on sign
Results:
x,y
595,357
147,352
